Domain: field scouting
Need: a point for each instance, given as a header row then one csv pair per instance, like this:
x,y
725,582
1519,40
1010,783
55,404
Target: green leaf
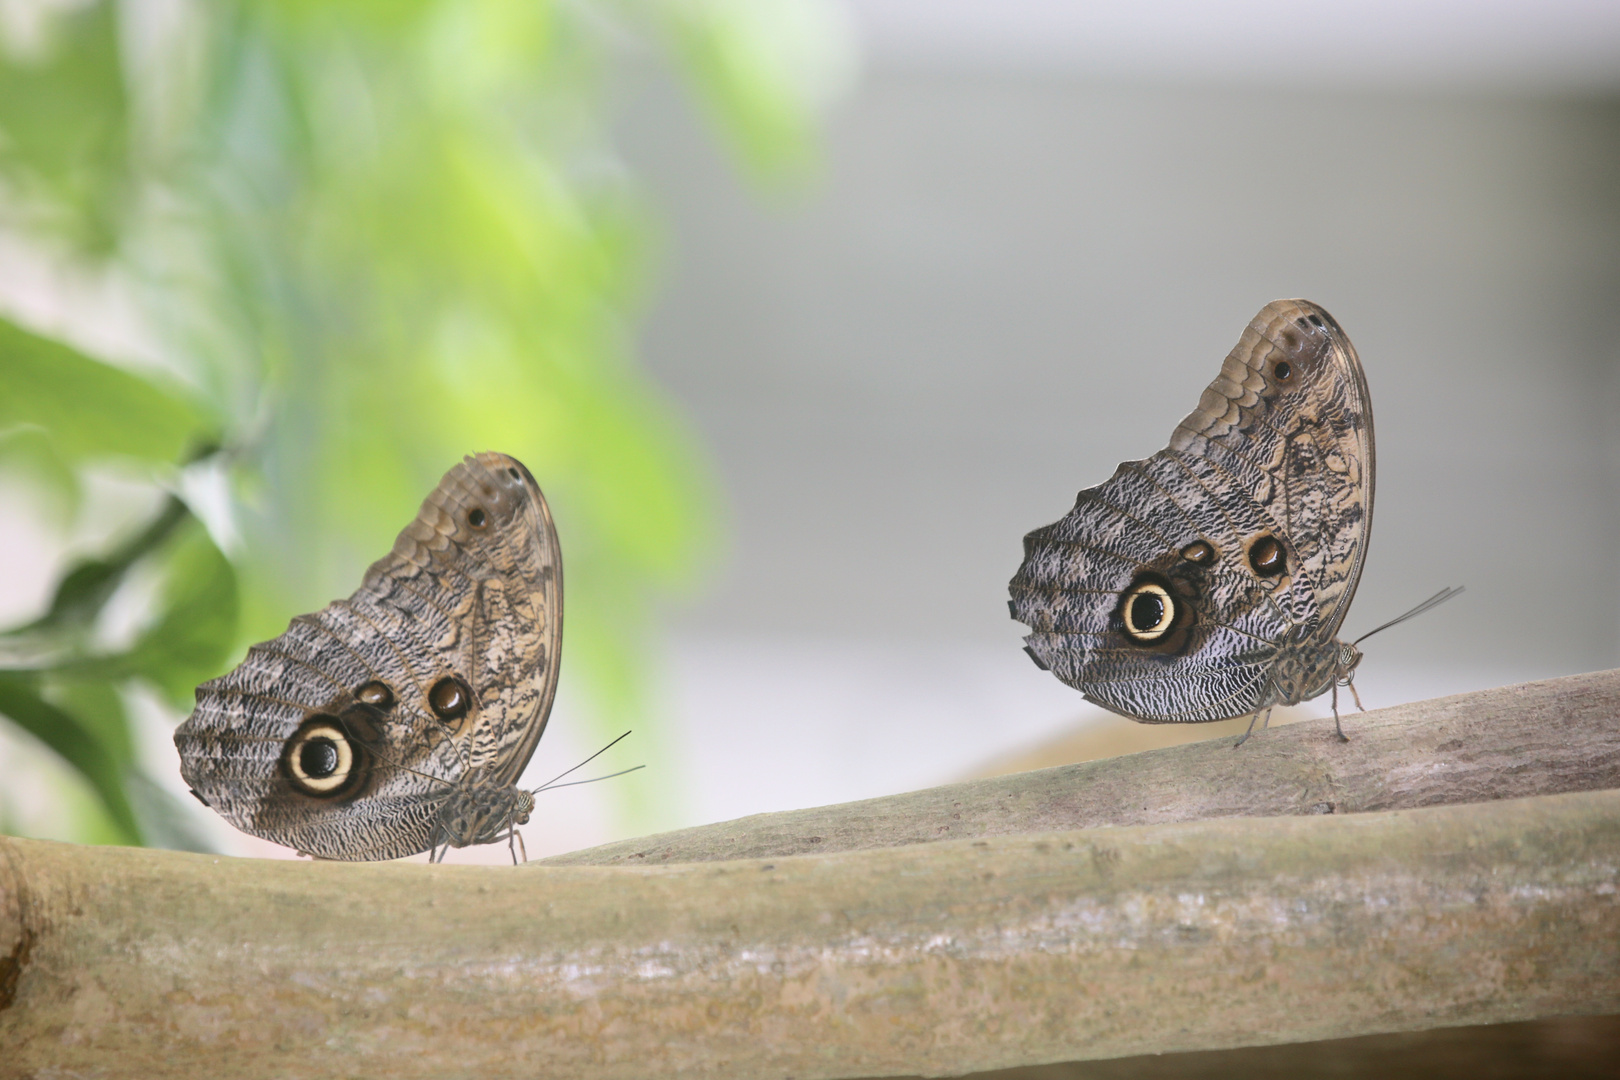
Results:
x,y
78,743
85,588
196,633
64,122
89,409
99,709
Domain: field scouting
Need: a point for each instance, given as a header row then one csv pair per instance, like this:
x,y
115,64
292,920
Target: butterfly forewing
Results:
x,y
484,551
1301,446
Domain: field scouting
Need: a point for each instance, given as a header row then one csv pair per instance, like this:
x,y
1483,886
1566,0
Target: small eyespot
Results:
x,y
1317,319
1284,371
476,518
1201,552
513,473
1148,611
450,698
377,694
1267,557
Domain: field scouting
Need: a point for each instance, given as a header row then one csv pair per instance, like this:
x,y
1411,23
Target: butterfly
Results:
x,y
1209,581
399,720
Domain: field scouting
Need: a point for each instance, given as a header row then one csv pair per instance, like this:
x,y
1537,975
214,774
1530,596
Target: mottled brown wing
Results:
x,y
1245,536
344,736
495,593
1303,445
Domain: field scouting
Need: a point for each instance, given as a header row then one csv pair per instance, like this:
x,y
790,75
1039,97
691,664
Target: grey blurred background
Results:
x,y
1039,229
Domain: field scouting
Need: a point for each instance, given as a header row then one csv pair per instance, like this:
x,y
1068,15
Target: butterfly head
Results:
x,y
1345,662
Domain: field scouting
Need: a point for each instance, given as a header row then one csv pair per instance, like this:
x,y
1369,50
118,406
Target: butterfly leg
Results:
x,y
514,844
1337,730
1250,731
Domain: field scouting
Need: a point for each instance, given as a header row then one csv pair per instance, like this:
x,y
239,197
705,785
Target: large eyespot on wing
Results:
x,y
1289,419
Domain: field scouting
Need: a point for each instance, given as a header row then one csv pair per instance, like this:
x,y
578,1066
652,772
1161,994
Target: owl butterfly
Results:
x,y
1209,580
398,720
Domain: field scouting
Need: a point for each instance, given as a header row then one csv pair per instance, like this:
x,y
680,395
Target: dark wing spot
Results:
x,y
1201,552
1267,557
450,698
377,694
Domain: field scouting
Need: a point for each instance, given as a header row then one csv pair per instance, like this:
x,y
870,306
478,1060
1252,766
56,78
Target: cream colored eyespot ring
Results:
x,y
1148,610
319,759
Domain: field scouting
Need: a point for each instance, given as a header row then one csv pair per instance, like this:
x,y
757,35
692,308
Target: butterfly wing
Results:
x,y
500,582
344,736
1302,446
1177,590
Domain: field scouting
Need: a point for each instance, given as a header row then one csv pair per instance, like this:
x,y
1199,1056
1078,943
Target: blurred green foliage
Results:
x,y
367,237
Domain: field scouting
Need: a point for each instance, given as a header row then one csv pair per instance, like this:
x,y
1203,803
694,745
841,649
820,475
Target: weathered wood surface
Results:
x,y
933,959
1536,738
937,959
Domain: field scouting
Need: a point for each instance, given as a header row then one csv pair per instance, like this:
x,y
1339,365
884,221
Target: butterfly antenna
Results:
x,y
584,763
573,783
1428,605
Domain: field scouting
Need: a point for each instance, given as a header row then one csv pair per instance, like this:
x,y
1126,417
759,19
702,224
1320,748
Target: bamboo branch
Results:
x,y
941,958
1537,738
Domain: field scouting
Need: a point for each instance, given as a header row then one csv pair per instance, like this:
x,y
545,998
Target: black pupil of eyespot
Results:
x,y
1147,611
1283,370
514,474
476,517
318,758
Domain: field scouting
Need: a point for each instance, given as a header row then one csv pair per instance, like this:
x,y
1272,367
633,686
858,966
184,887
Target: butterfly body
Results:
x,y
1209,580
398,720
